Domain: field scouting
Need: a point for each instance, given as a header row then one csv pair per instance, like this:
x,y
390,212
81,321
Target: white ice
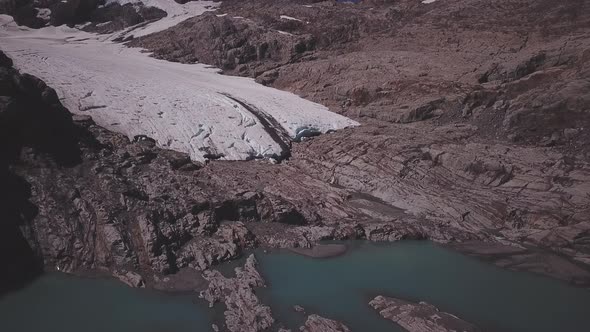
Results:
x,y
176,14
285,17
183,107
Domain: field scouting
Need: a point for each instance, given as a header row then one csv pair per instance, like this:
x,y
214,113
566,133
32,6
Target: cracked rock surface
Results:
x,y
419,317
474,119
243,310
474,129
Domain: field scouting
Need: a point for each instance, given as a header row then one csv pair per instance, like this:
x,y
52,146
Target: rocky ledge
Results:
x,y
316,323
91,15
419,317
244,312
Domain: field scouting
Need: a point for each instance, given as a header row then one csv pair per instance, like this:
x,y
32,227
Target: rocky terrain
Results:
x,y
475,128
459,129
93,200
243,309
95,15
419,317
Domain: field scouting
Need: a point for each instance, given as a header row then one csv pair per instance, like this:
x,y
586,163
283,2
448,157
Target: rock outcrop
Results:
x,y
244,312
458,129
419,317
316,323
82,198
31,118
96,15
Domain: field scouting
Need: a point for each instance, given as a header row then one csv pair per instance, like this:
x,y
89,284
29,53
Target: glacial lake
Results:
x,y
338,288
493,298
58,302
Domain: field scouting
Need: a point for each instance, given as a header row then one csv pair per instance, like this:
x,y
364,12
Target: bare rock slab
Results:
x,y
419,317
244,311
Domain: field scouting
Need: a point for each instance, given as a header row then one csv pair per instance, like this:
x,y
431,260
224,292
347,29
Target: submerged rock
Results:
x,y
298,308
419,317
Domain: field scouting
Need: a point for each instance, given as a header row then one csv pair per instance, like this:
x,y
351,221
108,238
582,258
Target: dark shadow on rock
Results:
x,y
30,116
20,263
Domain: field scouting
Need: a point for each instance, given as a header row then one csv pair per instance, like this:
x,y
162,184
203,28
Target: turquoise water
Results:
x,y
61,303
339,288
493,298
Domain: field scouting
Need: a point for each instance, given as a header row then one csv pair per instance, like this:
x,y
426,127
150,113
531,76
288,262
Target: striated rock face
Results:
x,y
316,323
226,244
460,142
114,17
78,197
458,129
243,311
419,317
31,117
228,43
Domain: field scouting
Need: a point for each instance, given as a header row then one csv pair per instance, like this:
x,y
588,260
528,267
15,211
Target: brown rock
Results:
x,y
130,278
244,311
316,323
419,317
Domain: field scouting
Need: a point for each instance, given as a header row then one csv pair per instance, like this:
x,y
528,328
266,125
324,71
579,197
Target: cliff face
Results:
x,y
31,118
101,17
77,197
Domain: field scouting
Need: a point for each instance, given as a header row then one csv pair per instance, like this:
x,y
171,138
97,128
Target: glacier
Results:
x,y
190,108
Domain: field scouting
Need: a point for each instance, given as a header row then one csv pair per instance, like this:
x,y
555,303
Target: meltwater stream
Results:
x,y
338,288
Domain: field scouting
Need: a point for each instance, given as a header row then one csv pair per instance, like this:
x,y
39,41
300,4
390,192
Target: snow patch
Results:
x,y
103,24
285,17
187,108
176,14
284,33
428,1
82,26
